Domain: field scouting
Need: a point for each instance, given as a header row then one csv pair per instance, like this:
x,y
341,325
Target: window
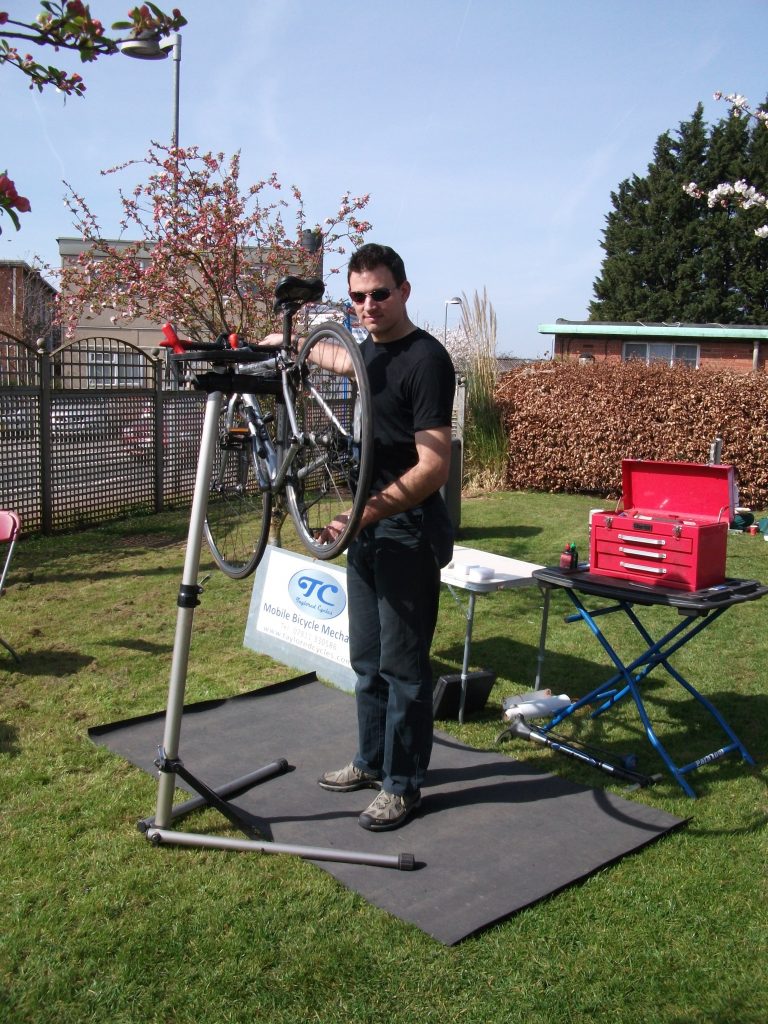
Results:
x,y
115,369
671,353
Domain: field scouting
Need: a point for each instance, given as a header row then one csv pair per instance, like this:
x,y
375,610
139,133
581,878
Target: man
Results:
x,y
405,536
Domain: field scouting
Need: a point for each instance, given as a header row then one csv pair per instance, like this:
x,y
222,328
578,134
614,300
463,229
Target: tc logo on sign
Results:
x,y
317,592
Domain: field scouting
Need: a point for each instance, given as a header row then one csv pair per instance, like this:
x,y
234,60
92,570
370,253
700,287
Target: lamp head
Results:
x,y
149,47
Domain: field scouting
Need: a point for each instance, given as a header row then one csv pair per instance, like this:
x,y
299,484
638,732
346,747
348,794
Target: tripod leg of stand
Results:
x,y
232,788
188,600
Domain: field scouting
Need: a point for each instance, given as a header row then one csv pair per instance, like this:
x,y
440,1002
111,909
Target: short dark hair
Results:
x,y
371,256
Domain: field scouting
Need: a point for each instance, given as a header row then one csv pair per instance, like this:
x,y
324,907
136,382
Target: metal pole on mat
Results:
x,y
187,602
400,861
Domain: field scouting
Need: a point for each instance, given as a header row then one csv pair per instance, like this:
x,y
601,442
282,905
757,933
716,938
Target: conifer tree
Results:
x,y
669,258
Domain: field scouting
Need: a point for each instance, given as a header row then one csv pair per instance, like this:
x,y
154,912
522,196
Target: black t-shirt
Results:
x,y
412,384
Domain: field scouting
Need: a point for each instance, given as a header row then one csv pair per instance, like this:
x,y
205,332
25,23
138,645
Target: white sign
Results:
x,y
298,615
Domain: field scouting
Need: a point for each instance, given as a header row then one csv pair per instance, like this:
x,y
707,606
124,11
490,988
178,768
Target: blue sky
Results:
x,y
489,133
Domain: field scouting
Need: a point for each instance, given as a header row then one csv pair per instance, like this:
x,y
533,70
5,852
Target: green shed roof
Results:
x,y
667,330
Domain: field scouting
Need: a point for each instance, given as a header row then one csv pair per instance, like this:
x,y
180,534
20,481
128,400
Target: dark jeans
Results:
x,y
393,585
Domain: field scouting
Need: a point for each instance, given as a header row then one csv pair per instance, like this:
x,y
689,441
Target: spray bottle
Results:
x,y
569,559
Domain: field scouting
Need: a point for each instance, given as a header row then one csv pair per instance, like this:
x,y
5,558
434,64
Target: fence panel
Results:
x,y
88,434
20,443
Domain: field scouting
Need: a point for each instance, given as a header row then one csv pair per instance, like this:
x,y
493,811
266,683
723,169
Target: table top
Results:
x,y
507,573
698,602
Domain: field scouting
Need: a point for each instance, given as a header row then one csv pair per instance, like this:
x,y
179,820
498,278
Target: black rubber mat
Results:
x,y
490,838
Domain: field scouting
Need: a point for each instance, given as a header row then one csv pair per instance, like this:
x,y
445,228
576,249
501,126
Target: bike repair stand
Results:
x,y
157,829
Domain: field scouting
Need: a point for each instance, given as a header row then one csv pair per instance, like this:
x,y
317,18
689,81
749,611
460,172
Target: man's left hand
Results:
x,y
333,530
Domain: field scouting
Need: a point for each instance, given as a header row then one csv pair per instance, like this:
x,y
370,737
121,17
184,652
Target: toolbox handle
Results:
x,y
643,554
653,542
656,570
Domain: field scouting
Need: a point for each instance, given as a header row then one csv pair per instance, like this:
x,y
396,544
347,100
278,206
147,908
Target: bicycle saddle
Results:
x,y
298,290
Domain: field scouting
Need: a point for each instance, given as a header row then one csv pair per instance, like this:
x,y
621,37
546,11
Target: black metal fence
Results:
x,y
94,431
99,429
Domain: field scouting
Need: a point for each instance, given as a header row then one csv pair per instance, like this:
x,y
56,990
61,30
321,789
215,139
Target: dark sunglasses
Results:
x,y
377,294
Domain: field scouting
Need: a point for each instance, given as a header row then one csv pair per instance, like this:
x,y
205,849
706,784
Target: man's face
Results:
x,y
384,318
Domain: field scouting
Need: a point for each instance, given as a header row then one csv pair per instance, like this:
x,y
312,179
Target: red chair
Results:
x,y
10,528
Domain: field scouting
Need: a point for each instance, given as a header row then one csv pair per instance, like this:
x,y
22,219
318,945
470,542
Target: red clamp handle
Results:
x,y
173,341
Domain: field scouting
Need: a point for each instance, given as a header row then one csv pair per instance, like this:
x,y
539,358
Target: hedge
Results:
x,y
570,425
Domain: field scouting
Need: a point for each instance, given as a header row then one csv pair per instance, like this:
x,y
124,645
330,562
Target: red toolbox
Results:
x,y
673,529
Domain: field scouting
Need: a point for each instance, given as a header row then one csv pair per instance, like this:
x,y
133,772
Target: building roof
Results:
x,y
33,272
20,264
596,328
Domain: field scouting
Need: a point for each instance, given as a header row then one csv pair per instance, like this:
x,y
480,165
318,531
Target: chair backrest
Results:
x,y
10,527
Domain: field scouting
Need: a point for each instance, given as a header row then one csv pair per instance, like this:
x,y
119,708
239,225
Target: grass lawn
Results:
x,y
97,925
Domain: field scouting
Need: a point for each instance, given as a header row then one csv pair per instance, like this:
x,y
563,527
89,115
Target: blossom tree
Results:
x,y
209,251
738,193
67,25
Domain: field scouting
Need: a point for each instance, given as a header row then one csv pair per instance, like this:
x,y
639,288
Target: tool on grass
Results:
x,y
519,728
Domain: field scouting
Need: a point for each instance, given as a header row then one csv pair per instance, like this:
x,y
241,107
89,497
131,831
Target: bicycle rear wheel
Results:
x,y
237,521
331,472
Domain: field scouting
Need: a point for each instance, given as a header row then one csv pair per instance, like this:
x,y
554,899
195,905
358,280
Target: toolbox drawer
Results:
x,y
661,573
650,542
633,553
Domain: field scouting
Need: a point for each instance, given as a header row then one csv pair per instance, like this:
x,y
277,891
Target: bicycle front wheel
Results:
x,y
239,508
331,471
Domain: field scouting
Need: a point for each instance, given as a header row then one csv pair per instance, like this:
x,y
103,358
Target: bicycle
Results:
x,y
295,432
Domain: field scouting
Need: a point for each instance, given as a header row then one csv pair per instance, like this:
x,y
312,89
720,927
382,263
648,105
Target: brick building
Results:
x,y
141,332
742,348
26,305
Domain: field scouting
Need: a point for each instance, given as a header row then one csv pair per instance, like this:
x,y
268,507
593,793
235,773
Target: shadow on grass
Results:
x,y
9,736
36,577
144,646
562,673
58,664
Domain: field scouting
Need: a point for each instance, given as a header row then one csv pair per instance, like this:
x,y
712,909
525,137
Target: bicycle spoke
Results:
x,y
239,508
330,473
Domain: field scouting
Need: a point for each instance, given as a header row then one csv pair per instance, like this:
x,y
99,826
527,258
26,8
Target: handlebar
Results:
x,y
229,347
291,293
179,345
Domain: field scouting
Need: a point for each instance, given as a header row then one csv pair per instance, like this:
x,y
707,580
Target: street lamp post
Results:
x,y
153,48
455,301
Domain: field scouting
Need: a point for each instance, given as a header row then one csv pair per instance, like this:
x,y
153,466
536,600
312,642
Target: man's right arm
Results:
x,y
325,354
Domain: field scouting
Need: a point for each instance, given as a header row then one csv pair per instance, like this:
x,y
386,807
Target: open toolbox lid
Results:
x,y
680,489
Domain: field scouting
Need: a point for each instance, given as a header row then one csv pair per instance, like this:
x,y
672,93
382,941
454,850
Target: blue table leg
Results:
x,y
631,675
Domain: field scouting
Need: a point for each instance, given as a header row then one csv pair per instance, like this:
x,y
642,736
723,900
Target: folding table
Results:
x,y
506,574
696,609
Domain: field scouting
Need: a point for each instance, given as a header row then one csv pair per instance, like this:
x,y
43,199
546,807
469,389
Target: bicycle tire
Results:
x,y
239,508
331,472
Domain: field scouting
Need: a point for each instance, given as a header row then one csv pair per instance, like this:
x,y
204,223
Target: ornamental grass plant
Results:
x,y
485,439
473,349
98,925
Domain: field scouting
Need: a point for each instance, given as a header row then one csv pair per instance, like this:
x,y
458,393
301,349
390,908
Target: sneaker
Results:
x,y
389,811
348,778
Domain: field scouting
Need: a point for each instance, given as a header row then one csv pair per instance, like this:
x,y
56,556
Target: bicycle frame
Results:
x,y
309,458
278,457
